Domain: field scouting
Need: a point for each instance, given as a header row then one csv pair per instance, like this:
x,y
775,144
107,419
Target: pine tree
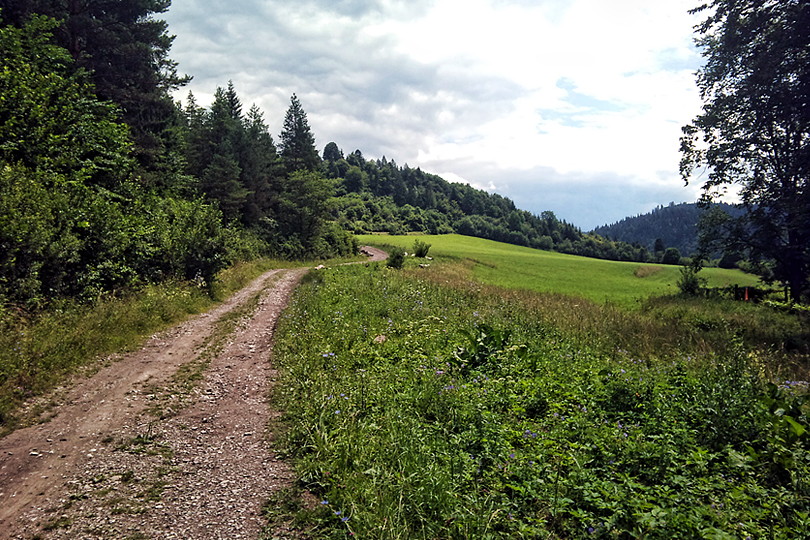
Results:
x,y
297,142
261,170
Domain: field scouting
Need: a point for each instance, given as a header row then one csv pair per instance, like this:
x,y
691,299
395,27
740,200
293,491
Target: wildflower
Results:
x,y
344,519
337,412
324,502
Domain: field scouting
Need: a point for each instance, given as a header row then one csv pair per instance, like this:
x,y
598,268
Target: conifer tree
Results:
x,y
297,144
261,170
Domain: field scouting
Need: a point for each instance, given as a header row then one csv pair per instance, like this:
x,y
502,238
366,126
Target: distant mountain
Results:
x,y
675,225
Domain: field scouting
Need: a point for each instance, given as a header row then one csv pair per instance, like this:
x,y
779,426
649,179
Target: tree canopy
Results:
x,y
754,130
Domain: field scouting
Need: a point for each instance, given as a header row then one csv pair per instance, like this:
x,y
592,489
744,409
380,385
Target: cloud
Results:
x,y
506,93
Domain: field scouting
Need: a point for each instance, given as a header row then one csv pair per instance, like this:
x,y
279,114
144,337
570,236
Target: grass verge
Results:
x,y
40,351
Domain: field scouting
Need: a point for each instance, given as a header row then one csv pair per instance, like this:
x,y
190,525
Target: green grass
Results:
x,y
421,405
517,267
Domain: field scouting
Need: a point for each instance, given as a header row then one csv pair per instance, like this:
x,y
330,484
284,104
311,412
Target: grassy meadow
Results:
x,y
518,267
421,403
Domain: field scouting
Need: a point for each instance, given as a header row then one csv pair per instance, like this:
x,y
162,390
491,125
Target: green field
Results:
x,y
517,267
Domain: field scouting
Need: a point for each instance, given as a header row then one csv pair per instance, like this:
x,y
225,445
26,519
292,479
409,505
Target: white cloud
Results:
x,y
484,90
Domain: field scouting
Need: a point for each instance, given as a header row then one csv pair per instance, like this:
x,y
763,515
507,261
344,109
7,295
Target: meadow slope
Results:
x,y
517,267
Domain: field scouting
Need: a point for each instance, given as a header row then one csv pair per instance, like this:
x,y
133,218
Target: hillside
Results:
x,y
515,267
675,225
380,196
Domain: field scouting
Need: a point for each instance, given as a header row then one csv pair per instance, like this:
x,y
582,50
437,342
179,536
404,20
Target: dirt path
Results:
x,y
141,451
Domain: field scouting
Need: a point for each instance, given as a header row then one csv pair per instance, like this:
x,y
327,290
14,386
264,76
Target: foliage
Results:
x,y
49,118
396,258
419,410
671,256
754,131
420,248
124,50
689,283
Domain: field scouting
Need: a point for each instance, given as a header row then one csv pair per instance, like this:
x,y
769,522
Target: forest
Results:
x,y
671,226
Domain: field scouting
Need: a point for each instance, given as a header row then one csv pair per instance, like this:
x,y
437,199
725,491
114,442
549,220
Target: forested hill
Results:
x,y
377,195
672,226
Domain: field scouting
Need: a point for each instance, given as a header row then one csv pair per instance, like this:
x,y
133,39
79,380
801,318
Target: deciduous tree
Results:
x,y
754,130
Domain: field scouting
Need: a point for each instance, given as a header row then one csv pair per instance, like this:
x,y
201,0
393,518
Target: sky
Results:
x,y
572,106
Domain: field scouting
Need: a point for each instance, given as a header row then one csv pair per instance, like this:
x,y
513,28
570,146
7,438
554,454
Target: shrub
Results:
x,y
671,256
420,249
689,283
396,258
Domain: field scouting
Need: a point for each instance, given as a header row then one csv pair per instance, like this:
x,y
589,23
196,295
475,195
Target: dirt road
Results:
x,y
169,441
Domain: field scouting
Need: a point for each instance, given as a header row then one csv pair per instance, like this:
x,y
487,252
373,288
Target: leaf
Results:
x,y
796,427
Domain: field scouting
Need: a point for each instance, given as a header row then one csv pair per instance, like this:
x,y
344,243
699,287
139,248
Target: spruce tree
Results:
x,y
297,144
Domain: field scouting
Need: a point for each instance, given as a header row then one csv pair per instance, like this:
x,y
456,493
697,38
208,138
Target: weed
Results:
x,y
420,248
396,258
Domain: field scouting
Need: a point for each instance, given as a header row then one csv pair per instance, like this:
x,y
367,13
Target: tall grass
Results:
x,y
423,408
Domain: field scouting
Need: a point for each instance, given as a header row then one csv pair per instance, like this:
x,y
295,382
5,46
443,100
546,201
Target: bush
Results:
x,y
689,283
420,249
396,258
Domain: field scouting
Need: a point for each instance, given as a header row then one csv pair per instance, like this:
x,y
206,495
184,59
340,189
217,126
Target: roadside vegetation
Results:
x,y
423,404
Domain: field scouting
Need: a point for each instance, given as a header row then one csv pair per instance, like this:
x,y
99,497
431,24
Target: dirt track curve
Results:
x,y
105,467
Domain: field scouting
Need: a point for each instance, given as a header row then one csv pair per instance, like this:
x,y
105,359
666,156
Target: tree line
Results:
x,y
377,195
106,183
